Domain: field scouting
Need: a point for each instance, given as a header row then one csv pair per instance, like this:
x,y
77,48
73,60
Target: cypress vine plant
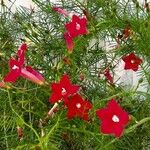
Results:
x,y
58,83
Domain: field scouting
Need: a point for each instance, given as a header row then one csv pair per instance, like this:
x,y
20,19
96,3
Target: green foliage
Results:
x,y
26,103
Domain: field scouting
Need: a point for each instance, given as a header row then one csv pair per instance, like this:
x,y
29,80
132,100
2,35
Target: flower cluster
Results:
x,y
67,92
113,117
76,27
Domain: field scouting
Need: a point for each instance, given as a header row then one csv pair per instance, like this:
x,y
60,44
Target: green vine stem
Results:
x,y
35,132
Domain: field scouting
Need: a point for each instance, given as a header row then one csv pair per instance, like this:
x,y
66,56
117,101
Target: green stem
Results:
x,y
6,141
109,98
23,120
137,125
84,131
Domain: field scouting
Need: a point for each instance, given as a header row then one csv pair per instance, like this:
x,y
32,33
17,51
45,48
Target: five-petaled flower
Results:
x,y
77,107
63,89
131,62
77,27
17,68
113,119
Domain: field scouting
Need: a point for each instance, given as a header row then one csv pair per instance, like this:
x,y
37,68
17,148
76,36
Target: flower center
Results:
x,y
78,105
115,118
63,92
15,67
77,26
132,61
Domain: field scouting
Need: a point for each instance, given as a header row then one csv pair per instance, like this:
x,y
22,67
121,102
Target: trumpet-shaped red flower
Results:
x,y
77,27
21,53
113,118
132,62
69,41
32,75
108,75
63,90
17,69
61,11
77,107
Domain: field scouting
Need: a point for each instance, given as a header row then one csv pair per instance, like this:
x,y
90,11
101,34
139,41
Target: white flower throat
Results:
x,y
63,92
78,105
132,61
15,67
115,118
77,26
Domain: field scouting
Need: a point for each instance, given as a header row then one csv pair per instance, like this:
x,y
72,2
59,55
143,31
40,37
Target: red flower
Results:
x,y
69,41
21,53
108,75
61,11
74,28
132,62
17,69
77,26
31,74
15,72
113,119
63,89
78,107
